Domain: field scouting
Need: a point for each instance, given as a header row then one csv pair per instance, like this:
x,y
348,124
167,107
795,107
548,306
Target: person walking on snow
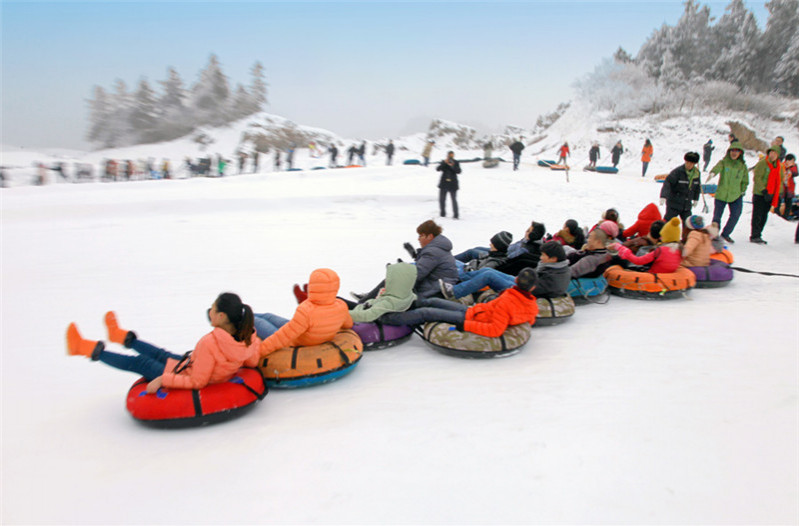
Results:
x,y
593,155
733,181
517,148
768,175
333,155
707,153
563,153
615,153
448,184
646,156
389,152
680,192
362,153
428,149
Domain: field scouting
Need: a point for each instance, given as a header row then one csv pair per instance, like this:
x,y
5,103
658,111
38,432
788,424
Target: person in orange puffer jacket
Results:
x,y
698,246
215,358
648,215
316,320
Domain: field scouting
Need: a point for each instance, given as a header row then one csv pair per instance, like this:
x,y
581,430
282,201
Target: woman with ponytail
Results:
x,y
215,359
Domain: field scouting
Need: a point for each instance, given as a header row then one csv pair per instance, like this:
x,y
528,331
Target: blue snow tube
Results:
x,y
318,168
607,169
412,161
588,290
546,164
710,188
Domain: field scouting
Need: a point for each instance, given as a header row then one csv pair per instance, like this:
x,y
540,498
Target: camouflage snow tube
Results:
x,y
554,311
469,345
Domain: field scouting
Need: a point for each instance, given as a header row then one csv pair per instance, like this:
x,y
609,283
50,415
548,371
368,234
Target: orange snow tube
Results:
x,y
291,367
725,256
644,285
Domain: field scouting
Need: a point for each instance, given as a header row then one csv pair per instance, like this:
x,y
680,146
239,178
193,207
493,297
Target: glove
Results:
x,y
457,327
662,201
410,249
695,202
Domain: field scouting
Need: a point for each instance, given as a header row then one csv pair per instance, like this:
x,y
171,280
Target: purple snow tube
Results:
x,y
717,274
378,336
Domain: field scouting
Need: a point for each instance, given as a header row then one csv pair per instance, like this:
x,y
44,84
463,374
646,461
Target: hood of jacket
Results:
x,y
229,350
400,279
397,296
649,213
323,286
439,242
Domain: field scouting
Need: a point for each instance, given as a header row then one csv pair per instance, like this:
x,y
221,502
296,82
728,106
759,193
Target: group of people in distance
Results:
x,y
536,266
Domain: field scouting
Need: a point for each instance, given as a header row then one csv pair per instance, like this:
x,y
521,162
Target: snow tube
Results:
x,y
589,169
412,161
607,169
469,345
546,164
491,163
292,367
725,256
474,160
717,274
559,167
588,290
377,336
293,169
177,408
554,311
660,178
710,188
644,285
319,168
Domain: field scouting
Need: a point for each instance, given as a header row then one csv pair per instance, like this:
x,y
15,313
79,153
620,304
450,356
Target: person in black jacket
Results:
x,y
616,152
681,189
516,148
553,271
707,153
389,152
448,184
333,155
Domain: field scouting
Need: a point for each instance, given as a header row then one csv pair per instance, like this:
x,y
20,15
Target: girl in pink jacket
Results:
x,y
215,359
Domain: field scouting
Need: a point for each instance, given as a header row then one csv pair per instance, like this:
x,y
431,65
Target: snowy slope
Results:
x,y
634,412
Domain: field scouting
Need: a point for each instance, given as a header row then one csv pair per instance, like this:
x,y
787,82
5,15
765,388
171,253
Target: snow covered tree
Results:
x,y
243,103
690,44
650,56
738,37
99,116
174,94
118,131
622,57
258,87
782,25
144,112
211,93
786,74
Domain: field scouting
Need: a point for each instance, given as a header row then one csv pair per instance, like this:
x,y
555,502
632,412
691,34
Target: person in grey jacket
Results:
x,y
553,271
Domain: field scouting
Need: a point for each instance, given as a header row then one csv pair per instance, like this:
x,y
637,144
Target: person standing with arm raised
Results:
x,y
448,184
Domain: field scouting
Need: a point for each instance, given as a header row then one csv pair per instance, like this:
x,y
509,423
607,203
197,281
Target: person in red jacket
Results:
x,y
648,215
215,358
666,257
563,153
513,306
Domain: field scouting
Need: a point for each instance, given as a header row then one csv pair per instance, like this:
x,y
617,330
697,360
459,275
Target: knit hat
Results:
x,y
691,157
554,249
671,231
655,228
610,228
537,232
501,241
527,279
695,222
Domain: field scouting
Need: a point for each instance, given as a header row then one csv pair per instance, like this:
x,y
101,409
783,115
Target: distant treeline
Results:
x,y
120,117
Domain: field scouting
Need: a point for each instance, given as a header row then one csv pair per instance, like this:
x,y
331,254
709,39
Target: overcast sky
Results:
x,y
360,69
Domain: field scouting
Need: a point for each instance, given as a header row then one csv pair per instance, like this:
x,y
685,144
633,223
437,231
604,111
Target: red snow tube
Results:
x,y
196,407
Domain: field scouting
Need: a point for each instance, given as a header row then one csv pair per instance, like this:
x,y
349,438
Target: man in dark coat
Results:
x,y
333,155
681,189
516,148
615,153
389,152
448,184
707,153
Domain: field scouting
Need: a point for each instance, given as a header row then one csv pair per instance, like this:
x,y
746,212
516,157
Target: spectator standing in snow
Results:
x,y
789,186
362,153
255,159
646,156
615,153
333,155
768,175
221,162
778,143
448,184
593,155
290,157
680,192
428,149
488,151
351,154
277,160
242,159
563,153
165,170
733,181
732,138
517,148
707,153
389,152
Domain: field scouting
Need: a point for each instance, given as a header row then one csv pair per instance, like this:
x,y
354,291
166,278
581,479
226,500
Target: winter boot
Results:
x,y
301,293
76,345
115,334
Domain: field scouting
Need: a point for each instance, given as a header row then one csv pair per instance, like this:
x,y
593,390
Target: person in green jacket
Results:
x,y
397,296
733,181
768,175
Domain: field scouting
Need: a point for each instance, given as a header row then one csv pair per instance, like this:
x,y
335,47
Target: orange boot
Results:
x,y
76,345
115,334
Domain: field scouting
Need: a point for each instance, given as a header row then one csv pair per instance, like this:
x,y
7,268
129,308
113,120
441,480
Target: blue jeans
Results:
x,y
472,253
430,309
267,324
735,213
149,362
485,277
516,158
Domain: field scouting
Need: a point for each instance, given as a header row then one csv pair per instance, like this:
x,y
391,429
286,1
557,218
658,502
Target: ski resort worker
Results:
x,y
215,358
681,188
733,181
646,156
448,184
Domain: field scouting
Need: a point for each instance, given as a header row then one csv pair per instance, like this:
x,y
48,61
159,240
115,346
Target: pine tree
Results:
x,y
258,87
174,94
242,103
782,25
738,37
118,131
144,112
650,56
786,74
622,57
691,41
211,91
99,116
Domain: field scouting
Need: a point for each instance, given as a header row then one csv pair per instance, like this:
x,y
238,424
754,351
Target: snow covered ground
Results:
x,y
683,411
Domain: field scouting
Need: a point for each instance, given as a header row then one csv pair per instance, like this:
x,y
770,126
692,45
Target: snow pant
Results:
x,y
267,324
643,169
429,309
426,160
479,279
760,208
150,361
442,201
362,160
561,160
615,161
735,213
707,162
470,254
388,160
517,157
